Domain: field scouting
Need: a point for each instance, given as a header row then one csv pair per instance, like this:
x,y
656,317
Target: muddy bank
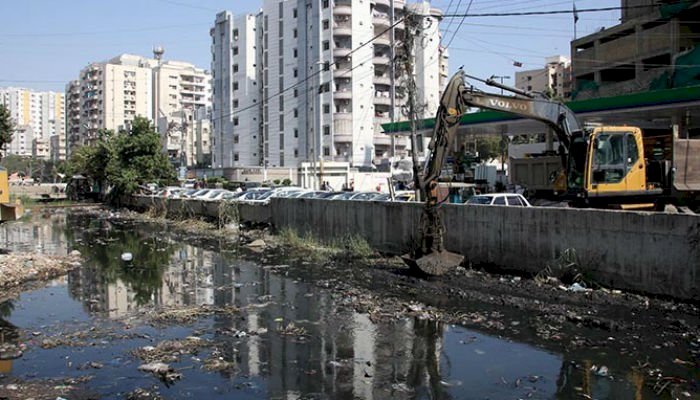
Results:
x,y
18,269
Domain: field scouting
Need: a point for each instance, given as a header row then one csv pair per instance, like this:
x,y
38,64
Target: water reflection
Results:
x,y
335,351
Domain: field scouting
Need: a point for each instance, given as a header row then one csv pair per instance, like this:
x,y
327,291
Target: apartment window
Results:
x,y
281,50
295,32
235,50
265,23
326,25
296,153
281,26
281,66
235,34
235,103
235,139
235,156
281,103
235,85
294,13
326,130
235,68
327,66
281,141
296,113
296,133
326,151
281,82
326,3
235,121
296,93
296,72
326,45
281,159
326,108
281,9
281,124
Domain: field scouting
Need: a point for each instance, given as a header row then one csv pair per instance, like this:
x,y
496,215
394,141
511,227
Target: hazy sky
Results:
x,y
45,43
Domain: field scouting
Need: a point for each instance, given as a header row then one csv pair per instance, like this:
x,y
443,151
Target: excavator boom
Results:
x,y
431,257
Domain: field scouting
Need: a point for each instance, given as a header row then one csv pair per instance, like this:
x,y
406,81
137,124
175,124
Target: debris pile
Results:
x,y
19,268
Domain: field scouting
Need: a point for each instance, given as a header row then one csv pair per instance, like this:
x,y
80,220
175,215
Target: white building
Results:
x,y
300,82
554,78
37,116
236,116
182,94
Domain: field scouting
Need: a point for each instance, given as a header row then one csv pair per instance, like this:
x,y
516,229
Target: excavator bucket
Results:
x,y
436,263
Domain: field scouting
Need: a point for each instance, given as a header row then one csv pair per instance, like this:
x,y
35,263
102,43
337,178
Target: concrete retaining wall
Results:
x,y
646,252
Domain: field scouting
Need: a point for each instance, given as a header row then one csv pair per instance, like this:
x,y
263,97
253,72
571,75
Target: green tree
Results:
x,y
121,162
137,158
489,147
6,128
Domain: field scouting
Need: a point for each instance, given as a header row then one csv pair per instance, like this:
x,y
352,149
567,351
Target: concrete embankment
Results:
x,y
647,252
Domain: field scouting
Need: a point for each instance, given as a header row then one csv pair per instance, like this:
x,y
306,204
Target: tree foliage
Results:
x,y
6,127
121,162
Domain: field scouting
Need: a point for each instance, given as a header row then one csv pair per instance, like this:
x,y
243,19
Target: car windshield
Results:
x,y
480,200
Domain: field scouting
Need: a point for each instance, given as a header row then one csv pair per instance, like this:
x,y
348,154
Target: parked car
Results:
x,y
365,196
341,196
500,199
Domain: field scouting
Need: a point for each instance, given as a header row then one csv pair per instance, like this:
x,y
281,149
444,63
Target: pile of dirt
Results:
x,y
17,269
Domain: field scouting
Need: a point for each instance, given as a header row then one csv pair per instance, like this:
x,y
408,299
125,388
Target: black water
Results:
x,y
344,354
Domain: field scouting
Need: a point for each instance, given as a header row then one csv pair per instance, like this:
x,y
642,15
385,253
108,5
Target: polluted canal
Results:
x,y
198,317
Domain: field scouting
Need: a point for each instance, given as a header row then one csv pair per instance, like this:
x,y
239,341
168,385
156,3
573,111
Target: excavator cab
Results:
x,y
615,165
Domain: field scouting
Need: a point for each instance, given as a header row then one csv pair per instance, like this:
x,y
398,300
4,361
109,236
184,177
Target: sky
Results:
x,y
45,43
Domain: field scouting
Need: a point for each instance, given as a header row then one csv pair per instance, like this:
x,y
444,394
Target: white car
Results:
x,y
500,199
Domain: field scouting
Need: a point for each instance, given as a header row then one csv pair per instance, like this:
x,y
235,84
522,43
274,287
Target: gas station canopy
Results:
x,y
651,109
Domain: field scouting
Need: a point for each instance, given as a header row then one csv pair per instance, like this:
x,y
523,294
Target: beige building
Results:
x,y
37,117
554,78
186,136
112,94
654,47
57,147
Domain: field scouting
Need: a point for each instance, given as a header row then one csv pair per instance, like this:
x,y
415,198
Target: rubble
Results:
x,y
17,269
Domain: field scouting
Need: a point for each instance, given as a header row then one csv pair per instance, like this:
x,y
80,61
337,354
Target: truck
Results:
x,y
600,167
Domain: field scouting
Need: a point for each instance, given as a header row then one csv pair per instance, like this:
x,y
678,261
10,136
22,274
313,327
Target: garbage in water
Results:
x,y
198,311
127,257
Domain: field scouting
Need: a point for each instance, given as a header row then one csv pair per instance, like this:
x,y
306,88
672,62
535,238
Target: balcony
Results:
x,y
381,60
382,100
383,40
341,52
381,21
342,116
381,139
342,9
344,29
382,80
343,94
342,137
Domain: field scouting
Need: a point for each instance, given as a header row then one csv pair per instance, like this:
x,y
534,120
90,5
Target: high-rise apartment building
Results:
x,y
37,116
554,78
110,94
182,103
236,115
310,80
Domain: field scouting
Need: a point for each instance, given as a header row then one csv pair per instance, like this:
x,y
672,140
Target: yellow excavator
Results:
x,y
602,166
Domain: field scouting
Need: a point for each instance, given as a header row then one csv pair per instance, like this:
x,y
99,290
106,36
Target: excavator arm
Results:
x,y
431,257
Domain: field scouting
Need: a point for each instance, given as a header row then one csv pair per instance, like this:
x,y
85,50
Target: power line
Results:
x,y
460,23
549,12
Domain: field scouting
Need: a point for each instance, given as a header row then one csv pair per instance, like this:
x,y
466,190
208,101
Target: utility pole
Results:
x,y
412,22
